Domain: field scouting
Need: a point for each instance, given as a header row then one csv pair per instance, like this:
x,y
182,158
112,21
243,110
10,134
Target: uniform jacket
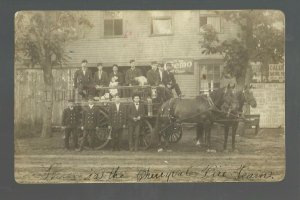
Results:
x,y
153,77
103,80
120,77
82,80
132,112
117,119
130,75
90,118
169,78
71,118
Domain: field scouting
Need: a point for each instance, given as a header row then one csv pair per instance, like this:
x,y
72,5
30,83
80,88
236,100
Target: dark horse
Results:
x,y
231,119
199,110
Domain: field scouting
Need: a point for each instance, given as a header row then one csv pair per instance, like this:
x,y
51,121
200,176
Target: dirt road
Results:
x,y
260,158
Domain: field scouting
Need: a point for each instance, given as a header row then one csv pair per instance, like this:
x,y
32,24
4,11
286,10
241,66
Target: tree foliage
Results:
x,y
42,36
260,39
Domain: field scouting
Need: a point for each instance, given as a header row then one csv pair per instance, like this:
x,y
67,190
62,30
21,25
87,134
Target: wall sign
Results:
x,y
182,66
276,72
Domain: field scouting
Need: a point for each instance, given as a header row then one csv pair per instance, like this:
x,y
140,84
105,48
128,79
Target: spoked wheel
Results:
x,y
103,135
145,137
174,133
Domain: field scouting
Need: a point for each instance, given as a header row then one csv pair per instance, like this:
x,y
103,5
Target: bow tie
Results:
x,y
136,104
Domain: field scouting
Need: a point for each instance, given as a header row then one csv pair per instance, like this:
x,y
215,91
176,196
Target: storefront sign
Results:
x,y
182,66
276,72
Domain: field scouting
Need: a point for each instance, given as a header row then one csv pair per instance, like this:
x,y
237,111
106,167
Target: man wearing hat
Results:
x,y
136,112
117,121
170,81
100,80
90,119
70,124
131,74
153,75
83,80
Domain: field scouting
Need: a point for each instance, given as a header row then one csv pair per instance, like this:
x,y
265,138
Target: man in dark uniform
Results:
x,y
90,119
100,80
163,92
135,114
117,121
131,74
83,80
70,124
170,81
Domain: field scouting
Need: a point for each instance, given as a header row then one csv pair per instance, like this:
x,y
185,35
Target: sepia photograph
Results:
x,y
149,96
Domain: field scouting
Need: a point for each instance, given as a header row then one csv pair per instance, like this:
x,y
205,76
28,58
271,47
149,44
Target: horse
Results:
x,y
231,120
198,110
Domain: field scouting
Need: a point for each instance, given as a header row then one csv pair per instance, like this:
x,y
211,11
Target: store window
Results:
x,y
113,27
212,21
161,26
210,76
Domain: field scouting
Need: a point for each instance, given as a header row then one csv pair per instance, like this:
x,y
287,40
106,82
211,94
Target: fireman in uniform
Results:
x,y
70,124
90,119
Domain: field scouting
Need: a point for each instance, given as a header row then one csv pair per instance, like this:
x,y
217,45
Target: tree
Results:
x,y
260,39
40,38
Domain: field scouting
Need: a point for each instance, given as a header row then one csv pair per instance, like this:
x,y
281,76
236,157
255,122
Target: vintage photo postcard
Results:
x,y
148,96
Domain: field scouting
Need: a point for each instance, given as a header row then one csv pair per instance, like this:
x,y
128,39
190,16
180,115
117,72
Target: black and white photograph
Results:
x,y
149,96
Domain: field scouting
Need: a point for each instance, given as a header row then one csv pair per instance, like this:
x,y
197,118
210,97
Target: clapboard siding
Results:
x,y
139,44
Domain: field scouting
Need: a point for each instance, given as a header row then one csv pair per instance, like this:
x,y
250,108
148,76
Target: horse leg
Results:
x,y
208,138
234,129
226,130
199,136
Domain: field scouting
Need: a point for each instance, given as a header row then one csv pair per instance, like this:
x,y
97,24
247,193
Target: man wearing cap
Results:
x,y
100,80
90,119
131,74
170,81
117,121
83,80
136,112
70,124
153,75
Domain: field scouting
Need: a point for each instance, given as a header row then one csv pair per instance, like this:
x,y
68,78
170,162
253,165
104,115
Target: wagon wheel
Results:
x,y
174,133
145,137
103,135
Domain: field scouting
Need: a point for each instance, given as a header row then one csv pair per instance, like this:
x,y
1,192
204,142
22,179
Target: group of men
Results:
x,y
90,119
89,85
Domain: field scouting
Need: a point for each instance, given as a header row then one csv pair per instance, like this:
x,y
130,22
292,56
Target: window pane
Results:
x,y
108,27
162,26
215,22
217,73
203,21
118,27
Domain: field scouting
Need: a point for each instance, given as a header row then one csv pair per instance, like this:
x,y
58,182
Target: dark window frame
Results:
x,y
113,35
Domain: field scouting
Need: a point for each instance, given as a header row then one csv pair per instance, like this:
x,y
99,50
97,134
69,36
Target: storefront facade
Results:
x,y
163,36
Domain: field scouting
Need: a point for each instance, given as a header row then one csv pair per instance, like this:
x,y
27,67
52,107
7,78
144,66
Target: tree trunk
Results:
x,y
48,101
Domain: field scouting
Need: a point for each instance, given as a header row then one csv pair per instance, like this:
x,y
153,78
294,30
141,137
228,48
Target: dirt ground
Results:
x,y
260,158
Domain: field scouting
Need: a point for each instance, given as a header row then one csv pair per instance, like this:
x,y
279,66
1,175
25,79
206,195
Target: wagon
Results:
x,y
149,98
